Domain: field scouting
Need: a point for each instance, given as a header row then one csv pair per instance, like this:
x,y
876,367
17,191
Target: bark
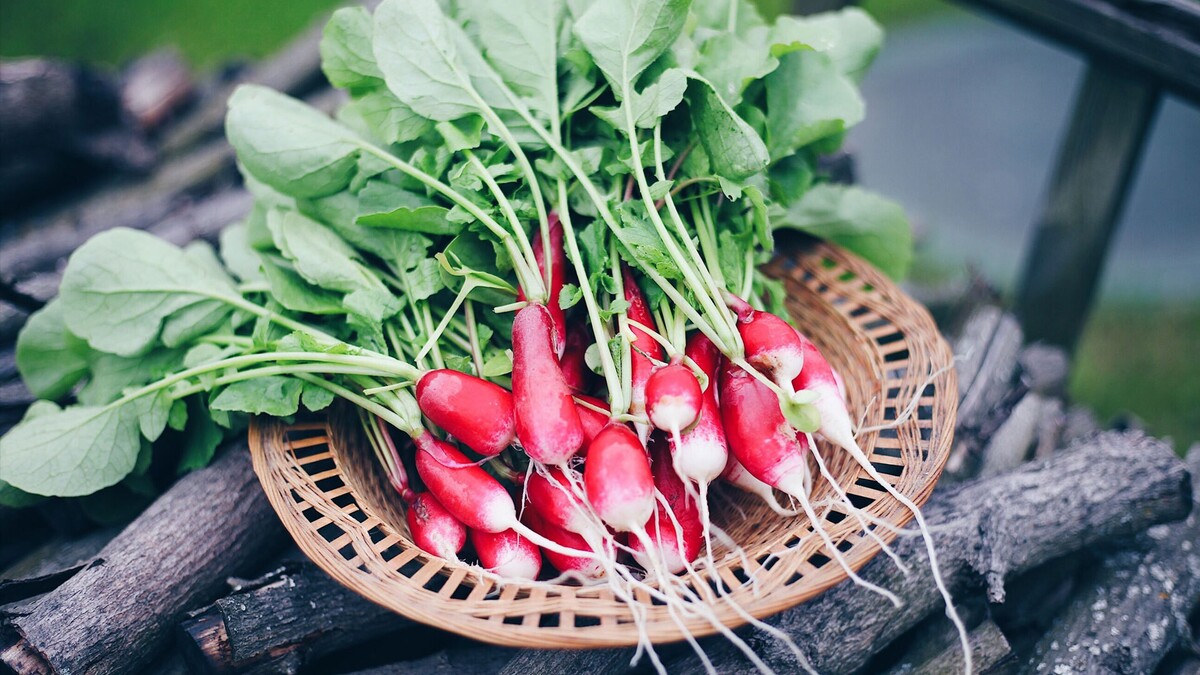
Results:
x,y
1133,608
1114,487
989,651
290,617
115,616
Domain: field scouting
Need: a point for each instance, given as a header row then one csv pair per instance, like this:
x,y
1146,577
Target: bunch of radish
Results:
x,y
528,249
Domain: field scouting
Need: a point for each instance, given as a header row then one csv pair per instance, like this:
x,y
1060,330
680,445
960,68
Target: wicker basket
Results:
x,y
332,496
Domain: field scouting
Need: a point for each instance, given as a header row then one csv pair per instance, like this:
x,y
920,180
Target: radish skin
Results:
x,y
590,568
434,530
818,377
574,360
701,453
644,349
772,346
673,398
477,412
558,276
758,434
736,475
617,479
507,553
593,420
676,549
547,421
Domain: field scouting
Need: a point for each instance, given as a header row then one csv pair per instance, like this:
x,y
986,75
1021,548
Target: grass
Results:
x,y
1142,359
207,32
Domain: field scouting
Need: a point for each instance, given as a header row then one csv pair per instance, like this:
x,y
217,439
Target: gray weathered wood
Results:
x,y
1160,40
989,651
115,617
1096,164
1133,607
1045,369
296,614
1112,487
1031,427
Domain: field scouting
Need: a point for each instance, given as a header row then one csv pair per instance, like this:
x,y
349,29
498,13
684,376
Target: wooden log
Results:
x,y
115,617
986,531
989,652
49,565
469,657
296,614
1133,607
1031,427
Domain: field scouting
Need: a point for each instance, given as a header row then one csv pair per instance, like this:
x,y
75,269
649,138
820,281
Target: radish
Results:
x,y
772,346
548,424
508,554
574,360
819,378
701,454
469,493
551,496
644,349
593,420
477,412
673,398
557,277
590,568
736,475
433,528
676,548
617,479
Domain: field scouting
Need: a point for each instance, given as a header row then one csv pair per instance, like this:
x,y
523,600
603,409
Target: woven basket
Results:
x,y
328,489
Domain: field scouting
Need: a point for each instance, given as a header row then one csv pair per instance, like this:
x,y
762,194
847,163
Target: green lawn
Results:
x,y
208,32
1142,358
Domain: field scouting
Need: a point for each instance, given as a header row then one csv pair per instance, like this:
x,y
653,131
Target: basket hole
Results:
x,y
924,412
868,287
889,469
847,276
859,311
890,432
306,452
514,620
330,532
410,568
794,578
331,483
741,576
435,583
926,433
462,592
347,551
310,514
828,263
586,621
720,588
793,542
319,466
876,323
377,535
859,502
930,390
768,561
548,621
889,413
869,484
835,517
846,545
818,560
358,515
896,356
344,500
889,339
390,552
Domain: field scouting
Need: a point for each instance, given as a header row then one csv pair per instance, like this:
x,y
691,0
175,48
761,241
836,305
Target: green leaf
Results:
x,y
625,36
346,55
316,398
570,296
70,452
808,99
430,65
640,243
499,364
293,292
289,145
850,37
325,259
864,223
49,357
520,40
152,411
122,285
272,395
17,498
239,256
386,118
112,374
381,204
648,106
714,15
730,61
735,150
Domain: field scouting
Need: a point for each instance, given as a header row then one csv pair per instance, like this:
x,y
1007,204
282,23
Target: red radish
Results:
x,y
468,492
557,504
617,479
819,378
507,553
701,454
736,475
548,424
759,436
574,360
591,568
676,548
558,276
593,420
673,398
477,412
433,528
772,346
644,348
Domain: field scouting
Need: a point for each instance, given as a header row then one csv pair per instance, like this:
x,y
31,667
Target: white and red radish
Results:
x,y
736,475
547,421
677,548
701,453
574,360
617,479
673,398
593,420
434,529
586,567
475,411
644,349
508,554
772,346
557,277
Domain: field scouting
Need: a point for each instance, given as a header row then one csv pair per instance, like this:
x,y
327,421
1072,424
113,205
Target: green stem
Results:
x,y
268,371
599,330
384,412
473,339
623,330
536,291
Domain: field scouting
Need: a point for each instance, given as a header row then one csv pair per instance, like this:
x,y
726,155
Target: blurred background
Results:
x,y
965,116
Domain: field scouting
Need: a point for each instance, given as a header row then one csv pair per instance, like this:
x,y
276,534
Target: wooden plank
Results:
x,y
1112,116
1158,39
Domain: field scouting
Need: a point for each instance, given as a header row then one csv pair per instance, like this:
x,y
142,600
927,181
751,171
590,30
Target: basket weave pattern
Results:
x,y
333,498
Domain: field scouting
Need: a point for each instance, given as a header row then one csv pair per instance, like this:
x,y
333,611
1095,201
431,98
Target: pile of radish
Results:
x,y
527,248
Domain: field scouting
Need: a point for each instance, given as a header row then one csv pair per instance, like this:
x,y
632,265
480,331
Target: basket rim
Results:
x,y
267,435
